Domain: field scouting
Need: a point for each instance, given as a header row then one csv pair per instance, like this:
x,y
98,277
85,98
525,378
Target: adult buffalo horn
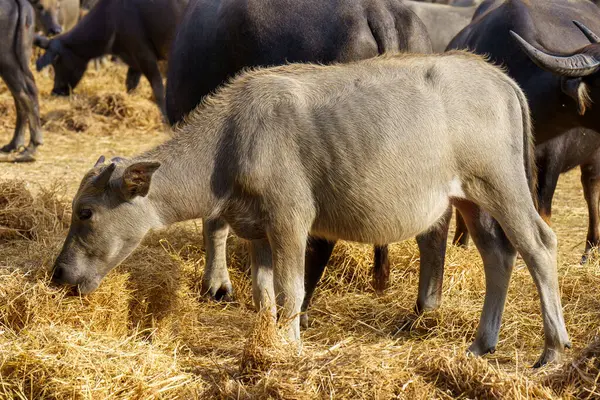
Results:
x,y
592,37
102,179
41,41
100,161
575,65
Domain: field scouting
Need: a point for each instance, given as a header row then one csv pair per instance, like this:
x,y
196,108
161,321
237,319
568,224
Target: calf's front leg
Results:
x,y
215,281
288,249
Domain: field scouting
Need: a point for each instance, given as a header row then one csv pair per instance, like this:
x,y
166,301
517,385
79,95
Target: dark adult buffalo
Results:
x,y
556,62
16,29
217,39
137,31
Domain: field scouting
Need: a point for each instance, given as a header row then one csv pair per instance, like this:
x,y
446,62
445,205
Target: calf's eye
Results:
x,y
84,213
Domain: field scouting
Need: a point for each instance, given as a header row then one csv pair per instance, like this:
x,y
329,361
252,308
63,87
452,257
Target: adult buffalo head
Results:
x,y
68,66
577,70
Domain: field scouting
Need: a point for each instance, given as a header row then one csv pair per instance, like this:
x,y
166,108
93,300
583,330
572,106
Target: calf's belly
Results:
x,y
381,221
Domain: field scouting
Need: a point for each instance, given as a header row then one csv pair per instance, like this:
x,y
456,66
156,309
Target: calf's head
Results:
x,y
68,66
578,71
47,16
111,215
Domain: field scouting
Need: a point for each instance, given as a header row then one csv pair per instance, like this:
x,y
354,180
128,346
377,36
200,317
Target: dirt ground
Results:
x,y
148,333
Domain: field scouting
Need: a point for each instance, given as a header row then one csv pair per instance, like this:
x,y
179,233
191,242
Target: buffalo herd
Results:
x,y
300,123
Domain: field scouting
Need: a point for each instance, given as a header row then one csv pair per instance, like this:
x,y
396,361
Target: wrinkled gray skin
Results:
x,y
443,22
16,31
287,152
55,16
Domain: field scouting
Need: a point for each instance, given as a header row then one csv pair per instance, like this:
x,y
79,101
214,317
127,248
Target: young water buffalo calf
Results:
x,y
373,151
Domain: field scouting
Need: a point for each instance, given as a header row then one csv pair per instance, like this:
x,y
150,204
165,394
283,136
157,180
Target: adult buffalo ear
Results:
x,y
136,179
578,90
41,41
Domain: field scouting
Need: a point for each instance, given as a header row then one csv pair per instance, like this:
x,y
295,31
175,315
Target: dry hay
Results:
x,y
22,216
148,333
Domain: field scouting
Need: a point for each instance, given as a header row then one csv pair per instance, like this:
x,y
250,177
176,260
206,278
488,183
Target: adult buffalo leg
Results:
x,y
318,252
461,235
549,161
215,281
432,249
133,79
149,67
590,179
381,269
24,91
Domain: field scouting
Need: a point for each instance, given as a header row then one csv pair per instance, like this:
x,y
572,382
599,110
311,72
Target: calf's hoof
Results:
x,y
219,292
551,355
481,347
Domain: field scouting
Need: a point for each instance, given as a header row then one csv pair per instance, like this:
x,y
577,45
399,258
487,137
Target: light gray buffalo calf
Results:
x,y
373,151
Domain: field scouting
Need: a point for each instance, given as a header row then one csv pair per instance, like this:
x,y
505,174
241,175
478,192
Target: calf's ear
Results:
x,y
578,90
136,179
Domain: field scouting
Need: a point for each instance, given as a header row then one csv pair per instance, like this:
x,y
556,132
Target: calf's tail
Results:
x,y
528,142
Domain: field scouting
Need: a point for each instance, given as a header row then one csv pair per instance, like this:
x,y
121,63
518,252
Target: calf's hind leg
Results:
x,y
498,256
506,196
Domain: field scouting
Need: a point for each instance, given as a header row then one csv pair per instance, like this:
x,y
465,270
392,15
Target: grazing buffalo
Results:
x,y
137,31
443,22
287,152
556,64
17,20
218,39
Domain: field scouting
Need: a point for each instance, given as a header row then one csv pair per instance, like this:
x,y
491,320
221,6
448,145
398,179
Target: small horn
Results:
x,y
576,65
102,179
591,36
100,161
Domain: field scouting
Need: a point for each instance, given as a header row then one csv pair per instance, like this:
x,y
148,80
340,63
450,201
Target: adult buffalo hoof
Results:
x,y
589,253
304,322
17,156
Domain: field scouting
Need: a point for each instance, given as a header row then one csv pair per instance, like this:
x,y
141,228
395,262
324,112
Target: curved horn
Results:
x,y
576,65
102,179
592,37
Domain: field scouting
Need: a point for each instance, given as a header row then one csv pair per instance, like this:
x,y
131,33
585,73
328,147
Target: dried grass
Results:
x,y
147,333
